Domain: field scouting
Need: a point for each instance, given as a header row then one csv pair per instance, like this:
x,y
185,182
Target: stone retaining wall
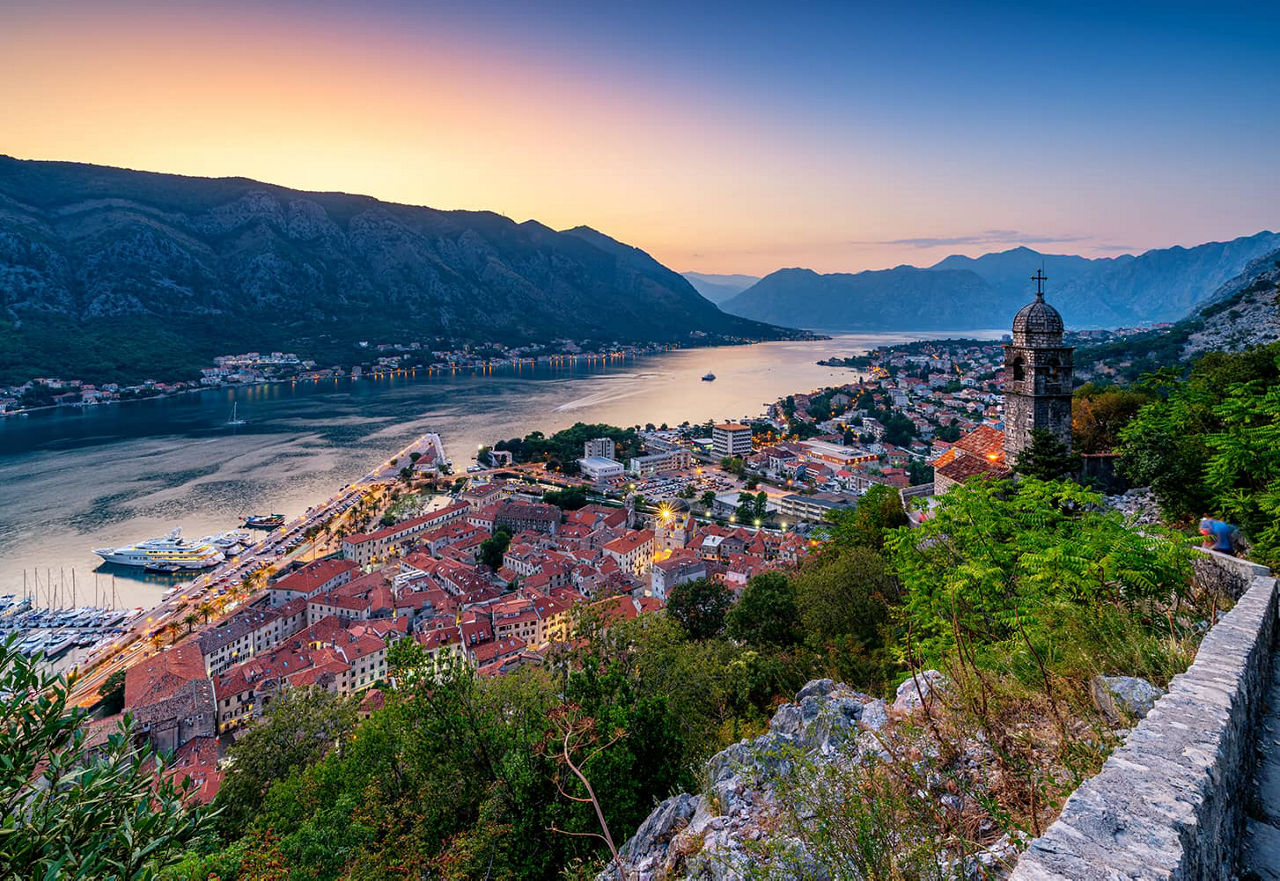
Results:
x,y
1168,804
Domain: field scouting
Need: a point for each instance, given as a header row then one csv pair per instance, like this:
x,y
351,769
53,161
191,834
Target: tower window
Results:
x,y
1019,370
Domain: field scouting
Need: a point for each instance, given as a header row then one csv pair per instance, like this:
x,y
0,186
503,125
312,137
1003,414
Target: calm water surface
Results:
x,y
73,479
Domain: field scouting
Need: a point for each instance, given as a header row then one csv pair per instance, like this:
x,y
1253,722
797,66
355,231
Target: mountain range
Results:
x,y
965,293
112,274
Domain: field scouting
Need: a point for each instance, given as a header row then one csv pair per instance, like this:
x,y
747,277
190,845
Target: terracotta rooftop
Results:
x,y
161,676
312,575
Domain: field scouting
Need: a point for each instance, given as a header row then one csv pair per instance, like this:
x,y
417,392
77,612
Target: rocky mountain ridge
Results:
x,y
105,268
1243,312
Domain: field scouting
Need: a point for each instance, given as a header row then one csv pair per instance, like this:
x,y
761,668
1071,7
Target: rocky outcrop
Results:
x,y
918,690
1124,698
1244,312
707,836
1138,506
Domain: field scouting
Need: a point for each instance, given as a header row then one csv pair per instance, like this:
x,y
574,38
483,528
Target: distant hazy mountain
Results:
x,y
109,273
1159,285
902,298
718,288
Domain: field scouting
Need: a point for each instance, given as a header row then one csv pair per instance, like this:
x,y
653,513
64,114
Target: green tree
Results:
x,y
67,811
493,548
566,499
300,727
919,472
1046,457
708,499
766,613
700,607
999,567
1243,471
1099,413
879,510
846,599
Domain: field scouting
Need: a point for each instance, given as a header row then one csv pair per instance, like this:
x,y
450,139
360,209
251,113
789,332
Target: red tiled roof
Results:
x,y
312,575
388,531
964,468
159,677
984,441
630,542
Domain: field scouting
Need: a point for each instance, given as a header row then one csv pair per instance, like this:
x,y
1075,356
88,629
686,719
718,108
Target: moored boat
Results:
x,y
264,521
172,550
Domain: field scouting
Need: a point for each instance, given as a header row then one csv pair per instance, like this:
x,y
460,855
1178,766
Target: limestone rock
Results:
x,y
921,685
718,836
1123,697
1138,506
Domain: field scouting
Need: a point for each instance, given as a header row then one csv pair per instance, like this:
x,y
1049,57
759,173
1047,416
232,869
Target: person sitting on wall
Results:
x,y
1219,535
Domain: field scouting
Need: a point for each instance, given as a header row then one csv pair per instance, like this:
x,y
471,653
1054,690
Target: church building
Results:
x,y
1037,394
1037,376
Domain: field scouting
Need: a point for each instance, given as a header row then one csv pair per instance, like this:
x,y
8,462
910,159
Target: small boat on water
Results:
x,y
162,568
235,419
710,377
264,521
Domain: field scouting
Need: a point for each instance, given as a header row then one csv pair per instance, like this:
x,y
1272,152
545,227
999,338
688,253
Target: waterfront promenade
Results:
x,y
224,588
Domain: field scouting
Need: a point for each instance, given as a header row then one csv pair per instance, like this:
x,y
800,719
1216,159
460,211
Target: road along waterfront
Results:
x,y
219,591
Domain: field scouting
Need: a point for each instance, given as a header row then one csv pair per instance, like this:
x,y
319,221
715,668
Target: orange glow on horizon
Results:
x,y
425,120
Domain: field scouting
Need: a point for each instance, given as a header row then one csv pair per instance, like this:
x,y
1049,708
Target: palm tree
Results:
x,y
205,609
172,629
191,620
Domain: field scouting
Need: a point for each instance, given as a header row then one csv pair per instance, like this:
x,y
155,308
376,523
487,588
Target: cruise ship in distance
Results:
x,y
172,551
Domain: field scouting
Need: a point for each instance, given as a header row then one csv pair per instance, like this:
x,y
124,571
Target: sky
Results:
x,y
730,137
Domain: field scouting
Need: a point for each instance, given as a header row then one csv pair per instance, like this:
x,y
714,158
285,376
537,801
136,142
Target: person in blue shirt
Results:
x,y
1218,535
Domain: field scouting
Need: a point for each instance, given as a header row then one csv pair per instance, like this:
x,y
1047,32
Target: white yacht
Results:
x,y
171,551
230,542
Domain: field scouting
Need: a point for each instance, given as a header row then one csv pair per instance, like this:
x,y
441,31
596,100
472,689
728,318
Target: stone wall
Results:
x,y
1168,804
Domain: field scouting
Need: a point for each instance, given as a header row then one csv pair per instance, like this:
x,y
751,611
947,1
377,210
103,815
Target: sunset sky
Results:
x,y
721,138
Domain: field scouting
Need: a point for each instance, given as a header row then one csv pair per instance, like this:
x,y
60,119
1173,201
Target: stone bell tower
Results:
x,y
1037,376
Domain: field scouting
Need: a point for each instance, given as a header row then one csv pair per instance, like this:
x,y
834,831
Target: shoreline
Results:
x,y
381,372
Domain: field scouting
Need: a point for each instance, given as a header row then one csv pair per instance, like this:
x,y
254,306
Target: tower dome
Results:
x,y
1037,323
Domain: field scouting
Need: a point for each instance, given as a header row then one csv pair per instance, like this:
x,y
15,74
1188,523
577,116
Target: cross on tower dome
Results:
x,y
1040,278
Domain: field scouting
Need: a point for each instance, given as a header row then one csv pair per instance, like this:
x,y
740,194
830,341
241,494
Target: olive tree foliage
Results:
x,y
880,509
69,811
700,607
